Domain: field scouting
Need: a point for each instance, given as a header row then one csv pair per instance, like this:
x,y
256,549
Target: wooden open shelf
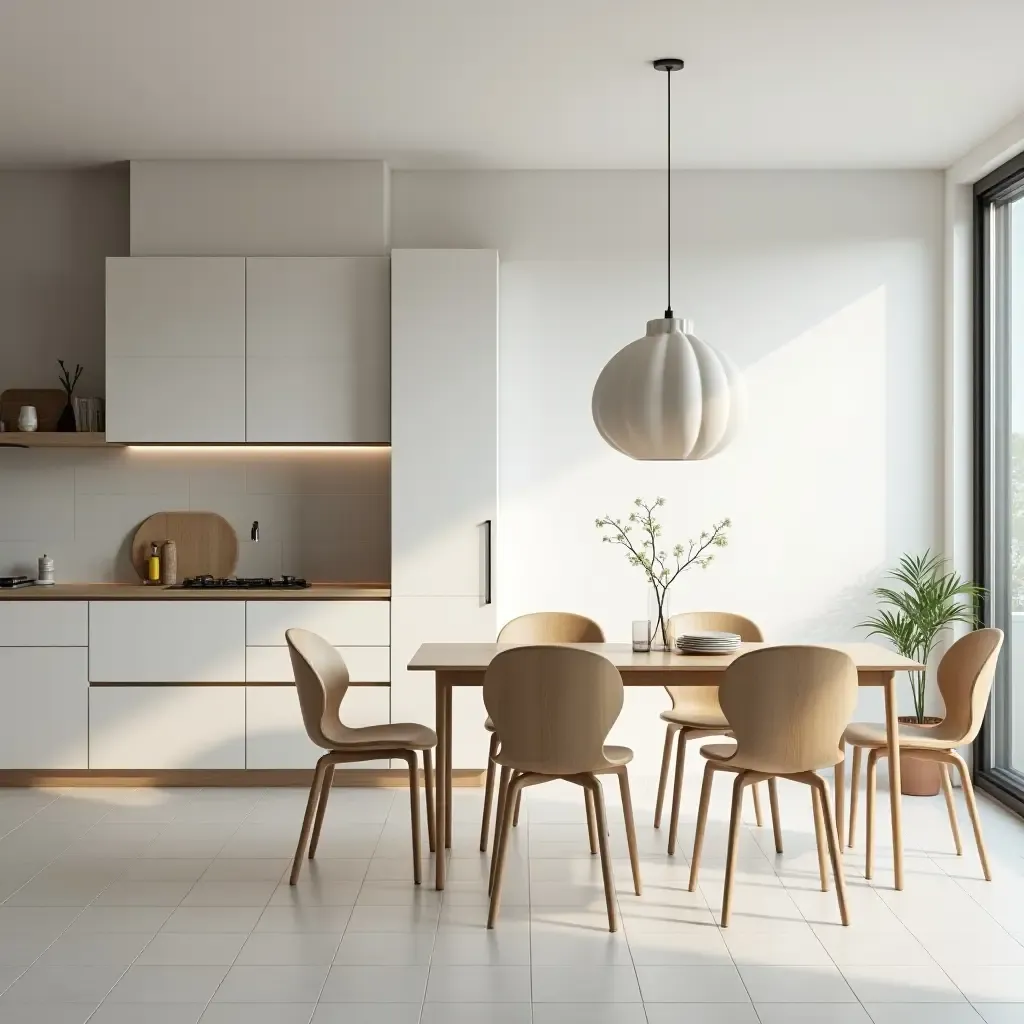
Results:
x,y
52,439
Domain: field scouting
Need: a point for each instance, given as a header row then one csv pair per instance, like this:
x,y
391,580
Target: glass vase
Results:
x,y
659,611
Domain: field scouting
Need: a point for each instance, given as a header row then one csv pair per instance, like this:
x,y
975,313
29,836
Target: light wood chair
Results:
x,y
965,676
535,628
553,708
788,707
321,679
695,711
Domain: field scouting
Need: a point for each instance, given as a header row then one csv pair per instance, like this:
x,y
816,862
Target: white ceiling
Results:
x,y
509,83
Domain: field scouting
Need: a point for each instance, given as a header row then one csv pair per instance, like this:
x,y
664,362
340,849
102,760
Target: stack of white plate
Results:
x,y
709,642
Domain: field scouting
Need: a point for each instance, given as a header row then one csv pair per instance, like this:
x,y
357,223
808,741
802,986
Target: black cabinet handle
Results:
x,y
487,565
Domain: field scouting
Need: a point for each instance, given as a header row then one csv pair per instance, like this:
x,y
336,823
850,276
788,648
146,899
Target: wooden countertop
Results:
x,y
138,592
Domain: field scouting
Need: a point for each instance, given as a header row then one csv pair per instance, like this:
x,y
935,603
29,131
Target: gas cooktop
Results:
x,y
244,583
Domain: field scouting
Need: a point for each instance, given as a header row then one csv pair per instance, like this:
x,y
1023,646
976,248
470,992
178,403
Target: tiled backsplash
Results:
x,y
323,514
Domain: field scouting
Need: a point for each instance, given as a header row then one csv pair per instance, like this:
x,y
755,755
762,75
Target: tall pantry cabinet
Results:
x,y
444,473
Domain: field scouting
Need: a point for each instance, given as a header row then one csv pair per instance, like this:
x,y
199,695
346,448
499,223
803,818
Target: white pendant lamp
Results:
x,y
668,395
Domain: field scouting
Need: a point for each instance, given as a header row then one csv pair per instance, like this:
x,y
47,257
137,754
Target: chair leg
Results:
x,y
734,837
428,785
819,838
702,821
773,797
506,808
758,816
606,857
321,809
519,804
947,789
414,810
834,849
869,853
485,824
627,814
307,820
591,821
499,817
666,760
972,810
839,781
858,757
677,792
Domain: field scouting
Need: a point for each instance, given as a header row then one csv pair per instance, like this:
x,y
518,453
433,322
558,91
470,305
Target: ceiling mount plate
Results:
x,y
668,64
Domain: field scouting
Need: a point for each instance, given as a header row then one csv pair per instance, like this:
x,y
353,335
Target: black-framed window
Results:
x,y
999,467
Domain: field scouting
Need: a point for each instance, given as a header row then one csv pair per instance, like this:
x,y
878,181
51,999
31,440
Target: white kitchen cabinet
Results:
x,y
420,620
167,641
175,349
444,420
318,349
37,623
276,738
274,665
166,727
44,693
341,623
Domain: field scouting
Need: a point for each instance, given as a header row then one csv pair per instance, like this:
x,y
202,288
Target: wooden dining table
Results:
x,y
465,665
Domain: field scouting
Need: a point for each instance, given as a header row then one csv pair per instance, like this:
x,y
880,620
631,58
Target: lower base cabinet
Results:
x,y
166,727
276,738
44,693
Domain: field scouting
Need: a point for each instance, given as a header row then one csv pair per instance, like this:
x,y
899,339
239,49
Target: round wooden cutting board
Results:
x,y
206,543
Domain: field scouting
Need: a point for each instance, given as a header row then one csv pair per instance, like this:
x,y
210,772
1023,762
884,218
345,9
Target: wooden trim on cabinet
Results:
x,y
378,778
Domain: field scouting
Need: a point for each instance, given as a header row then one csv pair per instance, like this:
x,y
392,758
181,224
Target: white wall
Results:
x,y
826,288
56,228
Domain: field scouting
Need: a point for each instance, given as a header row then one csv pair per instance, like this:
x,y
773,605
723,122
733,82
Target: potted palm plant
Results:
x,y
931,598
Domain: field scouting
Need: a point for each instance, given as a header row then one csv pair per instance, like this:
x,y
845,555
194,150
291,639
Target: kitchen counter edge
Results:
x,y
138,591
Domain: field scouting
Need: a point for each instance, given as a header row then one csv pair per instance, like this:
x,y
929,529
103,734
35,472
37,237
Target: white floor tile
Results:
x,y
478,984
691,985
225,920
1000,1013
812,1013
568,947
294,984
706,1013
384,949
289,948
245,869
143,894
192,949
990,984
891,984
305,919
751,948
174,869
590,1013
229,894
94,920
923,1013
577,984
375,985
369,1013
147,1013
249,1013
397,919
143,984
47,984
858,946
255,1013
796,985
316,892
49,1013
480,947
476,1013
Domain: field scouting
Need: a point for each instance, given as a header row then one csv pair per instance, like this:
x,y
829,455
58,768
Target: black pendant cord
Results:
x,y
668,193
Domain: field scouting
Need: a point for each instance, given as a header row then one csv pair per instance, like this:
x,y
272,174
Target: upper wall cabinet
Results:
x,y
265,350
175,349
318,353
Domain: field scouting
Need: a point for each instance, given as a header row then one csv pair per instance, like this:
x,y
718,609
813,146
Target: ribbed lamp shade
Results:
x,y
668,396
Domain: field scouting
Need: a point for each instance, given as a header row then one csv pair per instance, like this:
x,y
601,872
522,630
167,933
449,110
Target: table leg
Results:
x,y
440,801
448,769
840,794
892,733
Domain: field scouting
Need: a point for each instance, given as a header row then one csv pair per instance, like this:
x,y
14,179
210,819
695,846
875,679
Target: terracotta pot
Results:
x,y
919,777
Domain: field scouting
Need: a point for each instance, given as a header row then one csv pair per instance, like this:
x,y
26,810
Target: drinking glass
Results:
x,y
642,636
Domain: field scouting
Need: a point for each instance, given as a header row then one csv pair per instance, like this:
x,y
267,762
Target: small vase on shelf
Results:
x,y
67,424
659,612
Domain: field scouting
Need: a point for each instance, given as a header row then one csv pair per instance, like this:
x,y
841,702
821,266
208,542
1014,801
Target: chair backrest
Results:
x,y
705,698
553,708
788,707
551,628
965,678
321,679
